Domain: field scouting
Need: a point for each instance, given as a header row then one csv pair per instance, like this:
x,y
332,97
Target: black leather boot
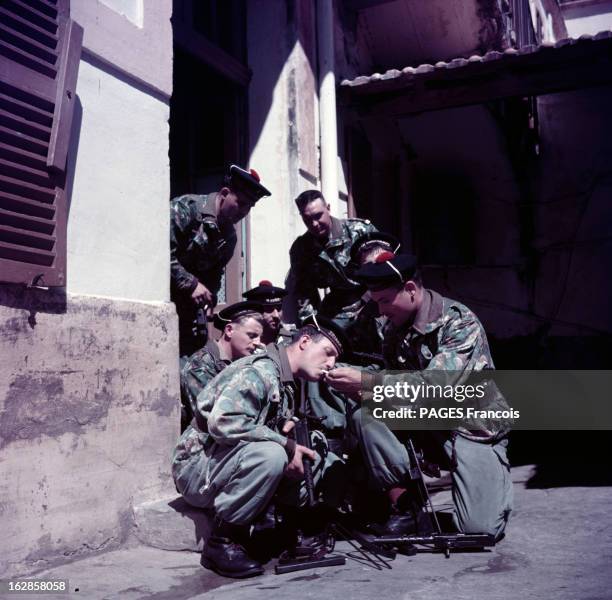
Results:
x,y
407,517
224,554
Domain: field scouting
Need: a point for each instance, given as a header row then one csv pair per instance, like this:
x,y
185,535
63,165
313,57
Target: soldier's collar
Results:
x,y
209,207
336,228
279,355
213,349
429,312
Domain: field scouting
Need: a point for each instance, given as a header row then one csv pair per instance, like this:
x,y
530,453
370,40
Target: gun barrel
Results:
x,y
302,437
441,541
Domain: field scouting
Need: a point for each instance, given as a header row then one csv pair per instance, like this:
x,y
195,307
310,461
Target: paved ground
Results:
x,y
559,546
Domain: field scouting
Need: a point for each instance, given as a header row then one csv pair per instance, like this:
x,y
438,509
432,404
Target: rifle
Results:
x,y
316,554
302,437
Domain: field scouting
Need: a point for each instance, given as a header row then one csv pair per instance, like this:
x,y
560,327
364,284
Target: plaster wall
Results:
x,y
133,36
89,413
283,132
118,218
588,19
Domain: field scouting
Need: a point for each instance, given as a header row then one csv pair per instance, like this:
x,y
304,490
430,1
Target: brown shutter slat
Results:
x,y
44,6
49,38
29,190
19,155
25,173
21,140
27,206
28,44
14,252
26,126
32,62
66,94
28,222
24,237
28,111
31,14
30,81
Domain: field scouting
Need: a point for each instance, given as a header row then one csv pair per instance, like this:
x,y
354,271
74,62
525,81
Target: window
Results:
x,y
40,49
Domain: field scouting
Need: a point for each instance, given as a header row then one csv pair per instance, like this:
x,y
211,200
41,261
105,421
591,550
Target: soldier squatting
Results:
x,y
237,456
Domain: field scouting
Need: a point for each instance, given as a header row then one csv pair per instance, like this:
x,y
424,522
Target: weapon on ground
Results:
x,y
374,548
444,542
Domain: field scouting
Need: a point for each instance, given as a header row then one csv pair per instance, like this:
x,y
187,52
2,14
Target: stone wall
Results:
x,y
89,413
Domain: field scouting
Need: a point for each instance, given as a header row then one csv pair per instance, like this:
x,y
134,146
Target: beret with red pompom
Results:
x,y
266,294
248,182
388,270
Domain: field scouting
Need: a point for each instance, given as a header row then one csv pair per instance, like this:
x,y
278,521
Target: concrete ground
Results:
x,y
558,545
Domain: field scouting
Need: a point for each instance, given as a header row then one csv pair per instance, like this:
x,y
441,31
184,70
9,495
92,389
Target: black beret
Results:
x,y
266,294
247,181
388,270
233,312
374,236
331,330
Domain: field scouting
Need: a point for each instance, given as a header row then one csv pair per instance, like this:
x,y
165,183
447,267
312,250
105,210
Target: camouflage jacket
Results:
x,y
444,336
198,370
317,265
249,401
199,248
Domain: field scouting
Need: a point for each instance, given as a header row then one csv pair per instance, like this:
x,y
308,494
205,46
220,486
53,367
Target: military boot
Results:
x,y
224,554
407,517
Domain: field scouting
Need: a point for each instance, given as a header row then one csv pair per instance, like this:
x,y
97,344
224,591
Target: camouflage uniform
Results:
x,y
234,456
197,371
447,336
316,264
199,251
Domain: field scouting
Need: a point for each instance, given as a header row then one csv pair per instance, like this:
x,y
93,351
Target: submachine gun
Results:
x,y
437,540
376,549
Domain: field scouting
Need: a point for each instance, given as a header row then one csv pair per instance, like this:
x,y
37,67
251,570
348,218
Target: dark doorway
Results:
x,y
208,110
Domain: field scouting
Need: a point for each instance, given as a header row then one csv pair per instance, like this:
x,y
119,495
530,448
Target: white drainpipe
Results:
x,y
327,104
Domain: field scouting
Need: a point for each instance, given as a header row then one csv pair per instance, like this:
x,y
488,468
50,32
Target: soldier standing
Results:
x,y
202,242
429,332
319,259
243,454
242,327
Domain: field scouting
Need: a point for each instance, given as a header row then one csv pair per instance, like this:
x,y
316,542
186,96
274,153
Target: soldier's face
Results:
x,y
272,317
235,205
318,357
244,337
396,304
317,218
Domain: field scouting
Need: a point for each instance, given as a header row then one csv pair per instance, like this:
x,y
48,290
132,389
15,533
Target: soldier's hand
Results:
x,y
288,426
201,295
344,379
295,469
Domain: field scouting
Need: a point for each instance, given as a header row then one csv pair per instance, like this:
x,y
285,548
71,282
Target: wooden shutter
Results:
x,y
40,49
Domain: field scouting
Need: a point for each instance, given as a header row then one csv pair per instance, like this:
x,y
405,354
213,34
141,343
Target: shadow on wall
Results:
x,y
20,296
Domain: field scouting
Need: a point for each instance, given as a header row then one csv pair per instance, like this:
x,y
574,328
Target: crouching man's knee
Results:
x,y
493,525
